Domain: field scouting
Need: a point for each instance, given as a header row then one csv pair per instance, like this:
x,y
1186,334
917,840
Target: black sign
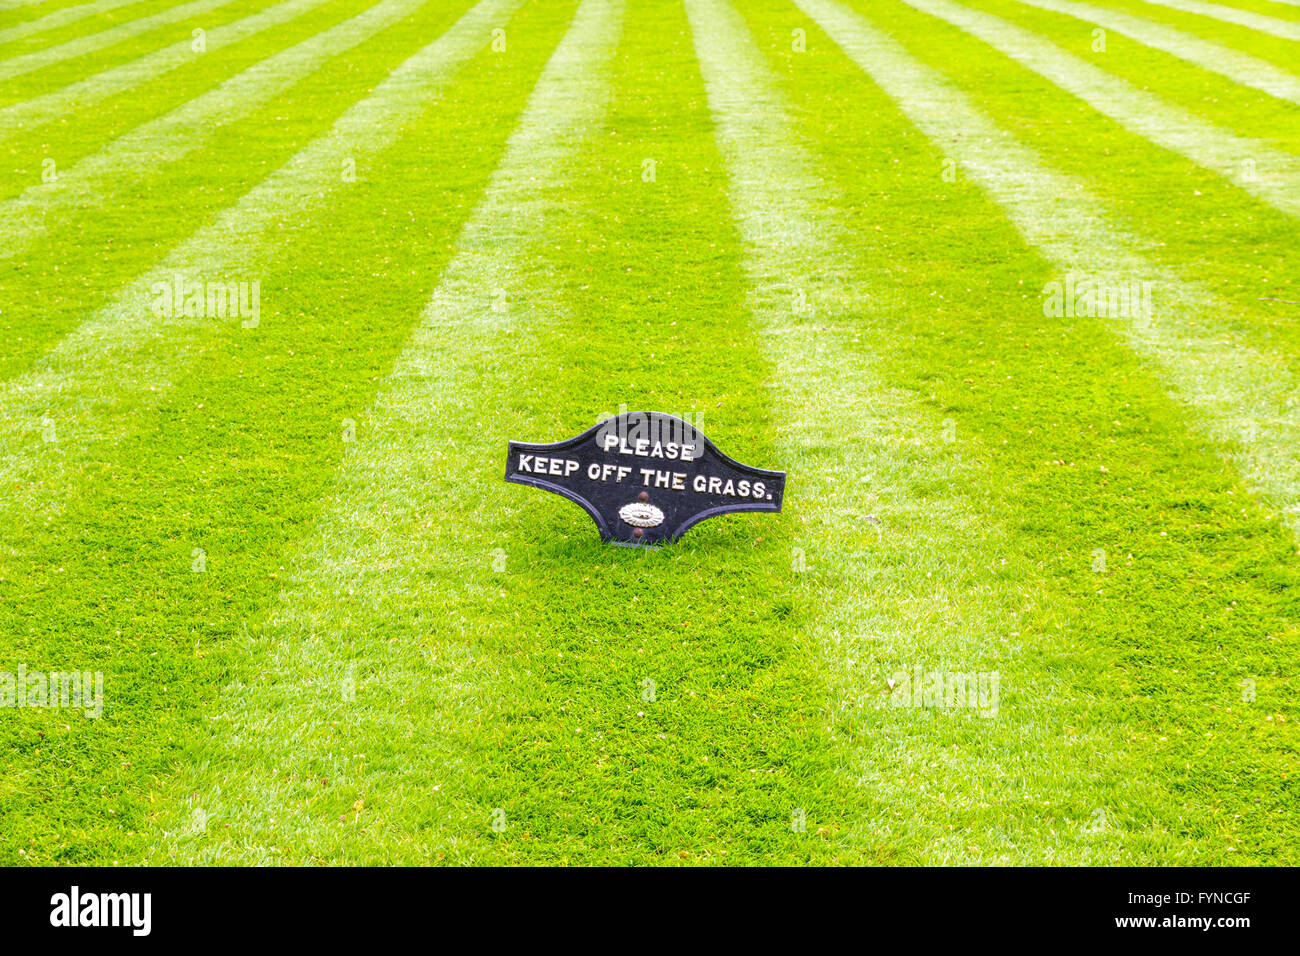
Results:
x,y
645,477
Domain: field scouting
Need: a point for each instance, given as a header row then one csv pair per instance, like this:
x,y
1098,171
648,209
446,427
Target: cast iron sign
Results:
x,y
645,477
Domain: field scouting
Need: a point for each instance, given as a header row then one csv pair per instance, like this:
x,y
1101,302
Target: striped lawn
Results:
x,y
17,11
294,381
1212,81
1245,390
1228,14
355,590
40,305
58,18
171,137
53,24
1209,232
85,55
1236,66
331,634
882,590
1270,175
1280,51
91,42
576,771
143,353
1270,7
1016,406
30,114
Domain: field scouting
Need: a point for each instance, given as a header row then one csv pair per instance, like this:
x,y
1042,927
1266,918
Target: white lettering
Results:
x,y
103,909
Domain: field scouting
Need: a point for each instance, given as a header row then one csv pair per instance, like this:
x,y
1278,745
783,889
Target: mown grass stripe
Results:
x,y
731,742
1267,7
60,18
175,135
64,72
25,116
341,293
19,12
128,350
61,33
805,292
390,537
22,12
1142,659
1143,113
1246,395
1235,65
1254,21
1276,50
872,594
1202,227
40,303
16,66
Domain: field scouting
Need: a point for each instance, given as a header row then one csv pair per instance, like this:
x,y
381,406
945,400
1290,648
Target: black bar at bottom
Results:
x,y
334,906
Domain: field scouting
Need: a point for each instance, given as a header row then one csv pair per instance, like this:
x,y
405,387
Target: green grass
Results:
x,y
1277,11
89,129
1046,406
1274,49
391,649
33,11
1207,229
72,63
39,304
1242,109
734,741
280,402
83,27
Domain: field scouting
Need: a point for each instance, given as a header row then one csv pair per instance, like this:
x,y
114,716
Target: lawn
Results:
x,y
828,230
